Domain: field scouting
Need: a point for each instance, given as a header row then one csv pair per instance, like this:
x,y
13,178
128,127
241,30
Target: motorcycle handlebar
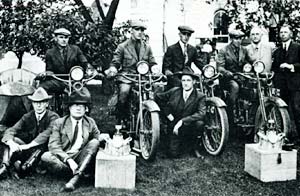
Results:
x,y
130,77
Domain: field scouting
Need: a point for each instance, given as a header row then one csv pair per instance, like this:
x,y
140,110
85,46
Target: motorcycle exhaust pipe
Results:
x,y
77,86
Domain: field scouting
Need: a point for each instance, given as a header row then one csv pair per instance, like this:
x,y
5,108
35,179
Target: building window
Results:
x,y
220,26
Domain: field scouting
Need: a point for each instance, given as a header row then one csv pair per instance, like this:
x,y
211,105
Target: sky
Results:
x,y
87,2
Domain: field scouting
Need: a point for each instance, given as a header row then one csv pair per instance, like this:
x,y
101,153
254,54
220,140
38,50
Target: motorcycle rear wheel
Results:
x,y
149,137
216,129
280,116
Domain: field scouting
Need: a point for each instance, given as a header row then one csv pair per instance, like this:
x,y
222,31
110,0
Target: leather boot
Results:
x,y
3,171
70,186
5,163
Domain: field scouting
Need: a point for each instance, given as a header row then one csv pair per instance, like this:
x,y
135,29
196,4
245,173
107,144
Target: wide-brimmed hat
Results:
x,y
138,24
82,96
185,29
39,95
62,31
236,33
186,71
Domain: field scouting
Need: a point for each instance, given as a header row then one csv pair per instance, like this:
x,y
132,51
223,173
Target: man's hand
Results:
x,y
170,117
25,147
288,66
13,146
177,126
168,73
73,165
91,71
104,136
111,72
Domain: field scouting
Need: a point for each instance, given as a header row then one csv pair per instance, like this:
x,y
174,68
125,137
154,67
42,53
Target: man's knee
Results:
x,y
234,86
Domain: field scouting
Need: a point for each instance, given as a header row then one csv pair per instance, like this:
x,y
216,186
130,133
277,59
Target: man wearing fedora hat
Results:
x,y
60,59
28,136
184,108
74,140
180,55
125,59
231,59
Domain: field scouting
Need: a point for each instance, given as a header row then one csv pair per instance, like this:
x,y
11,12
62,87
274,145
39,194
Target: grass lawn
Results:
x,y
215,176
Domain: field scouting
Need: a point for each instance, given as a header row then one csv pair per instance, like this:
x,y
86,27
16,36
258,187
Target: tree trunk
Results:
x,y
20,58
100,10
111,14
84,11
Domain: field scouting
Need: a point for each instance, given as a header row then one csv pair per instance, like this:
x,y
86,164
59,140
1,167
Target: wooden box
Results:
x,y
270,165
115,171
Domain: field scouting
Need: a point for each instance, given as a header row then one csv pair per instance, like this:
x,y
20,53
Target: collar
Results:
x,y
40,115
74,121
287,43
256,45
188,92
182,45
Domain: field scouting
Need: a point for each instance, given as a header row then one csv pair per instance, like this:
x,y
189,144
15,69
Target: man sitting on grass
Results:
x,y
74,140
28,138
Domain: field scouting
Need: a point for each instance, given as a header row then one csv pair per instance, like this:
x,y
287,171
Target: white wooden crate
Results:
x,y
115,171
264,165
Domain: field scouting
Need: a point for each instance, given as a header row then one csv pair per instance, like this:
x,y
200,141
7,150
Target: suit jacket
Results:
x,y
28,130
62,135
190,111
125,57
227,60
174,58
284,78
263,53
60,64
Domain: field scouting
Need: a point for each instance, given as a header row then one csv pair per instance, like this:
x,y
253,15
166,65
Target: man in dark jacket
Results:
x,y
180,55
60,59
184,108
74,140
286,65
29,135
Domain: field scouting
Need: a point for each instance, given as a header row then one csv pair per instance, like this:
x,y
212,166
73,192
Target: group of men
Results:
x,y
69,143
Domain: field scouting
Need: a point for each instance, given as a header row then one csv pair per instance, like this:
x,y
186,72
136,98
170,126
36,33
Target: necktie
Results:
x,y
284,51
38,120
137,47
185,96
185,54
75,133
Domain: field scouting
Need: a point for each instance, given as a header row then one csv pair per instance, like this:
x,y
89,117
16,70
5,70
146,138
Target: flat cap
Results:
x,y
236,33
137,24
62,31
186,29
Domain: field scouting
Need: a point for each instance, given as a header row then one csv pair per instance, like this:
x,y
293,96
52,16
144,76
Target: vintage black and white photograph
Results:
x,y
149,97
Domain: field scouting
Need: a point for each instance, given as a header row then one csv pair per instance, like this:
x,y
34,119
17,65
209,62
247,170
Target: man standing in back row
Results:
x,y
180,55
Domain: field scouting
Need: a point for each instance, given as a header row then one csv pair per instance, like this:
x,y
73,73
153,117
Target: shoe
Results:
x,y
3,171
70,186
198,155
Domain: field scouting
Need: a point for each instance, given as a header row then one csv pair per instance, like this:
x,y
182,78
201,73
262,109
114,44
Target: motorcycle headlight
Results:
x,y
155,69
142,67
209,71
247,68
259,66
77,73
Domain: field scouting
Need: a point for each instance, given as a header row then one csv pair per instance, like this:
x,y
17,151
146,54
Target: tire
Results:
x,y
216,129
280,116
149,138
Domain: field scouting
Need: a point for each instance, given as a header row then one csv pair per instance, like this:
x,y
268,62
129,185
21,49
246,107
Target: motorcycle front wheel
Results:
x,y
149,136
216,129
274,112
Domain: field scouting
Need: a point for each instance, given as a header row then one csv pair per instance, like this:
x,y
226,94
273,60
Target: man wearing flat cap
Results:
x,y
180,55
60,59
184,108
29,136
231,59
125,59
74,140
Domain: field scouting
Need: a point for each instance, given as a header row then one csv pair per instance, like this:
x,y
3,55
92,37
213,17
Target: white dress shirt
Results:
x,y
78,143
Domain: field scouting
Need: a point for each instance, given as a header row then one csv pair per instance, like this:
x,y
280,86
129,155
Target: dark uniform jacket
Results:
x,y
190,111
284,78
27,128
62,135
61,64
174,58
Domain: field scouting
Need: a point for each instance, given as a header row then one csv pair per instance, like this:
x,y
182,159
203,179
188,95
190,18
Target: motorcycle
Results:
x,y
143,123
216,129
258,108
75,80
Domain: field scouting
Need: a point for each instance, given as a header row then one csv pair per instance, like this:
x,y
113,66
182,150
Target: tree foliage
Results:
x,y
28,25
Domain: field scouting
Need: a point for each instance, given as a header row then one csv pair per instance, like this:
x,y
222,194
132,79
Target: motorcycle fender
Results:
x,y
219,102
151,105
279,102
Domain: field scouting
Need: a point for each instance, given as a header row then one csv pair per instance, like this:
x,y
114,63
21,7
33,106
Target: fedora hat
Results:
x,y
82,96
186,71
39,95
